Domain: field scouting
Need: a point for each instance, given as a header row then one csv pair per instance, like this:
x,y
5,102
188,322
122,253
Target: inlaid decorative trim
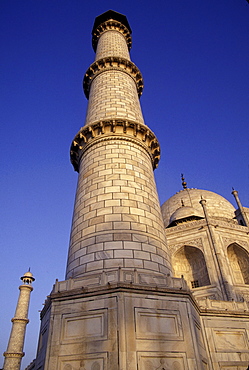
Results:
x,y
198,243
108,26
230,241
117,129
113,63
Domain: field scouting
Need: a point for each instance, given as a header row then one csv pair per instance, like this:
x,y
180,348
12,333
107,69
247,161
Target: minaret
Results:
x,y
117,221
14,353
240,211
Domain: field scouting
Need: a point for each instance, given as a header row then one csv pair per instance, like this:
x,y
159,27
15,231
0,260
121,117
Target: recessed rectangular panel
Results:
x,y
85,326
230,340
157,324
198,333
84,362
88,327
159,360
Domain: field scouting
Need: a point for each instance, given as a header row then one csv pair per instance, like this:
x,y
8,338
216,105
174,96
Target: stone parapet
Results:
x,y
113,63
115,129
121,275
231,307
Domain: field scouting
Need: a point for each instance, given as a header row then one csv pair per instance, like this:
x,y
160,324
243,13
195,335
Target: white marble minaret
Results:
x,y
119,307
14,353
117,221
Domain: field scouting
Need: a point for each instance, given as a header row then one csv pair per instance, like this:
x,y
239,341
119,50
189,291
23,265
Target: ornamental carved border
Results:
x,y
110,26
113,63
185,225
229,241
117,129
14,354
198,243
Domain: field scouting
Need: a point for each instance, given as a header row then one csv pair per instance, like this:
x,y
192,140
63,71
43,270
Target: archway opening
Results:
x,y
190,263
239,262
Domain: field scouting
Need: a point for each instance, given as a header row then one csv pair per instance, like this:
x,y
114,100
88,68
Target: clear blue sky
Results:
x,y
194,57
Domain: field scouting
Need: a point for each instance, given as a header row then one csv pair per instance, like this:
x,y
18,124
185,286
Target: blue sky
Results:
x,y
194,57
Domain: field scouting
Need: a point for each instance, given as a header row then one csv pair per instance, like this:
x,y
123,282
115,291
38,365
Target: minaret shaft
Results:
x,y
113,95
112,43
117,219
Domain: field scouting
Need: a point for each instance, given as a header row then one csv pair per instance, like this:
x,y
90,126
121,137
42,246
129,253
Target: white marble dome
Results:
x,y
217,206
184,212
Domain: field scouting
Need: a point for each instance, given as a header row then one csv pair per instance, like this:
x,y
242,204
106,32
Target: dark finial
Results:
x,y
184,184
182,203
29,269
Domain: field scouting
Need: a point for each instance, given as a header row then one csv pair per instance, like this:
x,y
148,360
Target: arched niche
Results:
x,y
239,263
190,262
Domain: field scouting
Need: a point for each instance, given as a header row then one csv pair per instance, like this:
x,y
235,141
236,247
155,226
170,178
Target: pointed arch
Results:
x,y
239,263
190,262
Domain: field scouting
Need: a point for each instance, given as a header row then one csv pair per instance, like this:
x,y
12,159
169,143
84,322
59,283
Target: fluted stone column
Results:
x,y
117,220
14,353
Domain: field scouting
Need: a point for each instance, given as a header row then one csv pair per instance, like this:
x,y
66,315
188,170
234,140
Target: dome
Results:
x,y
184,212
27,278
28,274
217,206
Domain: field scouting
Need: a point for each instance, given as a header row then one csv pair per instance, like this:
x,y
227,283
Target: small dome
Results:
x,y
183,213
28,278
28,274
217,206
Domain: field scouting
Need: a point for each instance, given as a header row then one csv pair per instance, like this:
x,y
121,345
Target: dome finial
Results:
x,y
184,184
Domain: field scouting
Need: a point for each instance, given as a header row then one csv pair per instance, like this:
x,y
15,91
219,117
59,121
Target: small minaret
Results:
x,y
240,208
14,353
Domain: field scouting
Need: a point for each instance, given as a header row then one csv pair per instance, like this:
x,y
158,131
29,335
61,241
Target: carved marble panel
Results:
x,y
158,324
161,361
198,243
230,340
242,365
86,362
87,326
198,333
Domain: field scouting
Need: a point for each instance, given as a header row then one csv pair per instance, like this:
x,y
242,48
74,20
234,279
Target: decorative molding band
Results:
x,y
26,286
14,354
112,63
16,319
111,25
185,225
215,222
116,129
